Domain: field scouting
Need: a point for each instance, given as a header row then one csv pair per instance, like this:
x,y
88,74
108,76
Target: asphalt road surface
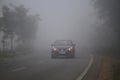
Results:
x,y
40,66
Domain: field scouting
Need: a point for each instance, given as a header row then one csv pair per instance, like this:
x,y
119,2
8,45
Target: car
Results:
x,y
63,48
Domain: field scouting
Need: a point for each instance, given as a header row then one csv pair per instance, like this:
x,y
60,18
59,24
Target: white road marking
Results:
x,y
19,69
86,69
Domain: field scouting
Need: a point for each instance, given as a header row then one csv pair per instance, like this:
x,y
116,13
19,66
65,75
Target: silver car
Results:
x,y
63,48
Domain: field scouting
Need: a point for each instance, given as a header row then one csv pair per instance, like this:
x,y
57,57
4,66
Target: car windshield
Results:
x,y
63,42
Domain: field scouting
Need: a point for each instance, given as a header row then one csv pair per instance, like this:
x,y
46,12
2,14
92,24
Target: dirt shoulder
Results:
x,y
104,67
109,68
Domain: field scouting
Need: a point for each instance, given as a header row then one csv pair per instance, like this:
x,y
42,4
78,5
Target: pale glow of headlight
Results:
x,y
54,49
70,48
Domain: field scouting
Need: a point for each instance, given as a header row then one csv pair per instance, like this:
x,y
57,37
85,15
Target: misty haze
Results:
x,y
59,40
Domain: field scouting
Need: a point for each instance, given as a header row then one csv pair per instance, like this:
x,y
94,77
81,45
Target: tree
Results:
x,y
8,23
26,24
18,22
109,12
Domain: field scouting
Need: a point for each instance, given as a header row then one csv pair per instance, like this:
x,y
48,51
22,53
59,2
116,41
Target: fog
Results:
x,y
67,19
28,51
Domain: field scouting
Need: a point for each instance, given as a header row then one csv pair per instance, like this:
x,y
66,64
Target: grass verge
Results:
x,y
7,55
117,72
110,69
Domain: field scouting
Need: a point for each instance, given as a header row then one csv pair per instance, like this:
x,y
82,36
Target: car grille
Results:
x,y
62,49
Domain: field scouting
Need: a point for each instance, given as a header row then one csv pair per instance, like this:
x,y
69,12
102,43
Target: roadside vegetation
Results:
x,y
108,12
7,54
18,28
117,72
110,69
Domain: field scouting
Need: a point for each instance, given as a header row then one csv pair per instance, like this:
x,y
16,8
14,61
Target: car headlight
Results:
x,y
69,49
54,49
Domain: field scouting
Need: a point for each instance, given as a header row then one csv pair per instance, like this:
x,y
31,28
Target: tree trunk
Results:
x,y
3,46
12,45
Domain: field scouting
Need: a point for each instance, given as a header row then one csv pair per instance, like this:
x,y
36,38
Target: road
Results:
x,y
40,66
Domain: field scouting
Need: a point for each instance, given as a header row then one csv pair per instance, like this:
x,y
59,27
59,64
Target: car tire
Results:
x,y
73,56
53,56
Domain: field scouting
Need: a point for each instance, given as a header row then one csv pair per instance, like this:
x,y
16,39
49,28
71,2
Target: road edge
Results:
x,y
87,68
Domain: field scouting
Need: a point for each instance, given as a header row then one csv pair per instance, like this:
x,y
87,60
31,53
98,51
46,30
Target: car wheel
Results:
x,y
53,56
72,56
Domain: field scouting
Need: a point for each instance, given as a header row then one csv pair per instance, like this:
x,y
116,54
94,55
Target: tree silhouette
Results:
x,y
18,22
109,12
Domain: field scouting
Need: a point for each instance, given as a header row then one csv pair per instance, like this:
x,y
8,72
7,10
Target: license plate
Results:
x,y
62,52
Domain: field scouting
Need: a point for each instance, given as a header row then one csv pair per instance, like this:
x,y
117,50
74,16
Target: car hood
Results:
x,y
61,46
